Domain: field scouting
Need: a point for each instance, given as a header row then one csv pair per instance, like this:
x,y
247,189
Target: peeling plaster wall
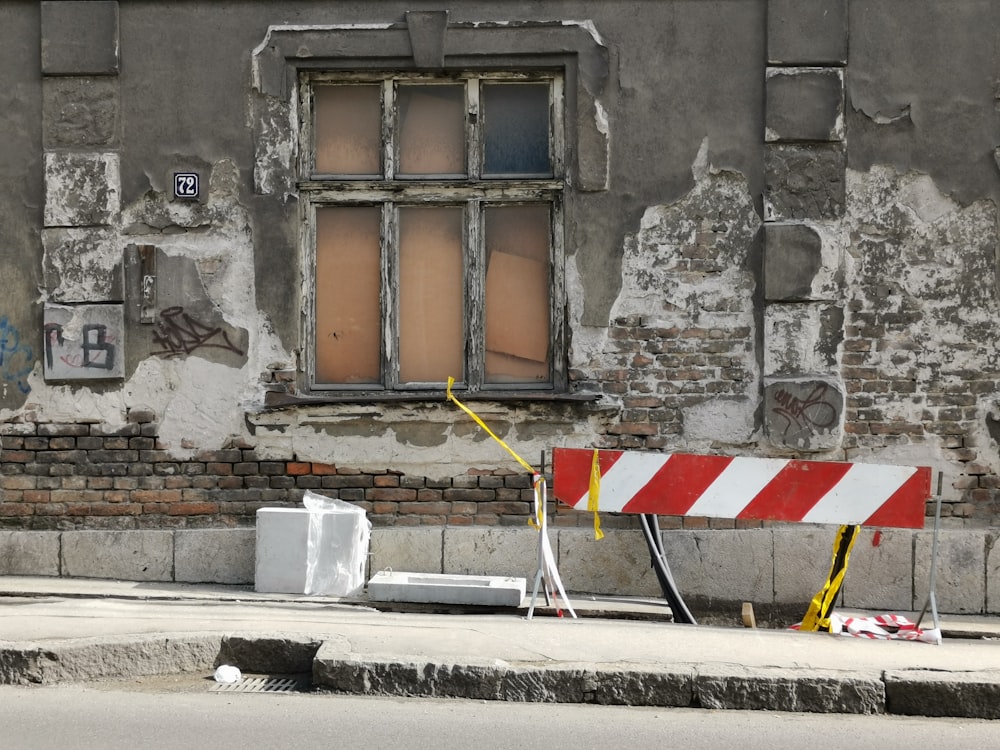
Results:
x,y
922,323
744,228
687,276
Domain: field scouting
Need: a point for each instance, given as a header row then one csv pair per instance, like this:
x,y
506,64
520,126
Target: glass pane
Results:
x,y
516,117
431,294
348,129
431,130
517,294
348,307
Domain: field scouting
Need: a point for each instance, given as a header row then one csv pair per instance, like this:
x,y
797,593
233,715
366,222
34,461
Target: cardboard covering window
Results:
x,y
431,294
432,130
348,306
348,129
517,293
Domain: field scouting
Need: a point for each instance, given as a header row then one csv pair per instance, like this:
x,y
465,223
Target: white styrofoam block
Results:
x,y
282,555
442,588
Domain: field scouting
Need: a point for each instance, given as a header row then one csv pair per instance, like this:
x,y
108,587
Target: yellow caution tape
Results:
x,y
538,521
489,432
594,493
540,506
818,615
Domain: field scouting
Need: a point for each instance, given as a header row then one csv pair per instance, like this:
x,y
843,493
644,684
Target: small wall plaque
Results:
x,y
187,185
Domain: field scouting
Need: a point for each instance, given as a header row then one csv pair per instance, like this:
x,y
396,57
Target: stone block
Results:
x,y
419,550
793,256
267,654
804,181
961,585
804,104
724,565
480,550
801,33
993,575
802,557
918,692
123,555
774,689
802,338
84,342
617,565
29,553
80,112
214,555
81,189
803,415
82,265
80,37
880,577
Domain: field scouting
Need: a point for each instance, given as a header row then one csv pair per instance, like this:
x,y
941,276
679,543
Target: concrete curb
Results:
x,y
918,692
82,659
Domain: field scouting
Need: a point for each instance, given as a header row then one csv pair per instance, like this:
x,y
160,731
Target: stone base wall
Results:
x,y
777,569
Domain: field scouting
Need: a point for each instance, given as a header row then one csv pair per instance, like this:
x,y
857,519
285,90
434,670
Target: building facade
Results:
x,y
245,245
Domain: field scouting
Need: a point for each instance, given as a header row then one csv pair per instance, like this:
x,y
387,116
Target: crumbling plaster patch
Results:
x,y
923,268
198,404
433,440
81,189
687,266
81,264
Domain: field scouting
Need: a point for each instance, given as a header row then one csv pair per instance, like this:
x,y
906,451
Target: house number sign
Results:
x,y
187,185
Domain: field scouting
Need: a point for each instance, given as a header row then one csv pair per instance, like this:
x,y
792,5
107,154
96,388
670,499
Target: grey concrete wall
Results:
x,y
20,198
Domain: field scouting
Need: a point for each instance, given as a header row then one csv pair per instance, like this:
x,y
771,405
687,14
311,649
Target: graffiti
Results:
x,y
813,412
97,348
17,360
84,342
177,333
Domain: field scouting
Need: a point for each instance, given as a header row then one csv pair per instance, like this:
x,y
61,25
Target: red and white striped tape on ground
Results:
x,y
774,489
881,627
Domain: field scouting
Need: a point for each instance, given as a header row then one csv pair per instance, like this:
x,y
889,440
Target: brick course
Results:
x,y
72,476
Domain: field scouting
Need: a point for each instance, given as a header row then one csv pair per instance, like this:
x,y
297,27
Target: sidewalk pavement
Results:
x,y
70,630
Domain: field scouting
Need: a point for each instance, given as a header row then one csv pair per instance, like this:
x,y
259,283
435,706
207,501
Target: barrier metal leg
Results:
x,y
931,596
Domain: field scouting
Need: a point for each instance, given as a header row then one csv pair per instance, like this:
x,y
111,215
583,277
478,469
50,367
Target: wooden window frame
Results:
x,y
473,192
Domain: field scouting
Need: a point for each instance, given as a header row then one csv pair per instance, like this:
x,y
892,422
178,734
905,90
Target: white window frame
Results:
x,y
473,192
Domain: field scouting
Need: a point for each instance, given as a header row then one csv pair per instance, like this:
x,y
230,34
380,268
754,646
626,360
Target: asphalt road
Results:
x,y
181,713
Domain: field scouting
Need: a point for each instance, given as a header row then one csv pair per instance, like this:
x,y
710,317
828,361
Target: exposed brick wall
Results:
x,y
897,395
90,476
658,372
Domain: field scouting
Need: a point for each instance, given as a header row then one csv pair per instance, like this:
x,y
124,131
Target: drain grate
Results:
x,y
286,684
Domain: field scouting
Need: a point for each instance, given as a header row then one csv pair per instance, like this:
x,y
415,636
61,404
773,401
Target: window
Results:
x,y
434,210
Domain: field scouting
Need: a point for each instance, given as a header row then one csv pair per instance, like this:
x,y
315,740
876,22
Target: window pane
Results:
x,y
516,117
348,307
431,294
517,294
431,130
348,129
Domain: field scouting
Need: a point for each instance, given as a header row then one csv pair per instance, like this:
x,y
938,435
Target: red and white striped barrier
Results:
x,y
773,489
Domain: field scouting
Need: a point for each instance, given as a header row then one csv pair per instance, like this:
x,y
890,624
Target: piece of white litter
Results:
x,y
228,674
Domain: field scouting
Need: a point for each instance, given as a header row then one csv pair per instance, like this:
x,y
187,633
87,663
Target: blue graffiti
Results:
x,y
17,360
